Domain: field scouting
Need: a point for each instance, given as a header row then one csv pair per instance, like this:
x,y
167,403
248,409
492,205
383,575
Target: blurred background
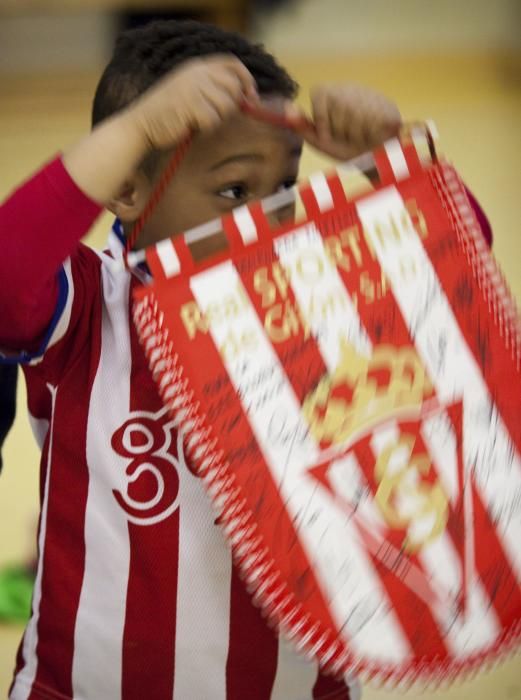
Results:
x,y
455,61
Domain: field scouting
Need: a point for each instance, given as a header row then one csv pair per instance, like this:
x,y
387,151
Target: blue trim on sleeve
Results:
x,y
24,357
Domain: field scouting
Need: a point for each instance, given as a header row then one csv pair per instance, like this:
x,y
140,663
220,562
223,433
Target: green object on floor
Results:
x,y
16,590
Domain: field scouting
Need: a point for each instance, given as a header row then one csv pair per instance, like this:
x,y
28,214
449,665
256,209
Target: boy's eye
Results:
x,y
234,192
288,184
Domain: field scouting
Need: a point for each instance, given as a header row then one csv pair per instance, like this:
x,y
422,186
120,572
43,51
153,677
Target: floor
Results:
x,y
476,103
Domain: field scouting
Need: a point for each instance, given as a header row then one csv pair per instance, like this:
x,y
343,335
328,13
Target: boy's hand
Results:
x,y
198,96
351,119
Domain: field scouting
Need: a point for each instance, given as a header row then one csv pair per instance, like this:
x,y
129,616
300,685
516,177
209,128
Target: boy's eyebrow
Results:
x,y
238,157
294,153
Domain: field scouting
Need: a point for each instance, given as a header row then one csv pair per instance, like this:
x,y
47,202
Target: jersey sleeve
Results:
x,y
41,225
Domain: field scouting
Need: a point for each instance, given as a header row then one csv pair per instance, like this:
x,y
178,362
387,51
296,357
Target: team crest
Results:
x,y
375,411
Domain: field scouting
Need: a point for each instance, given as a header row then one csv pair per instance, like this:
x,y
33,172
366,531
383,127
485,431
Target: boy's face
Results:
x,y
243,160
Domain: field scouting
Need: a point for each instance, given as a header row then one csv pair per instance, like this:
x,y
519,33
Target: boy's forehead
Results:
x,y
243,135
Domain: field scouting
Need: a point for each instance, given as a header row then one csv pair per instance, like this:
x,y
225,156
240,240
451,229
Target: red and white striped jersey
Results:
x,y
136,595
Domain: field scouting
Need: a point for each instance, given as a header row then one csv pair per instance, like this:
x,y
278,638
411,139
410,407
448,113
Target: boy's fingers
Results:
x,y
246,79
382,131
231,83
218,66
386,121
325,143
355,115
223,103
344,126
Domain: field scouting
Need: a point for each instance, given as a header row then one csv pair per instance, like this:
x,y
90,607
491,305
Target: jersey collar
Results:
x,y
117,241
116,245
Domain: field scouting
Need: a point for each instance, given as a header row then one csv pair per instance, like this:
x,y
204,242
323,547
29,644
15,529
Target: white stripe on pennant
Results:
x,y
438,434
321,191
289,450
168,257
245,224
321,294
397,160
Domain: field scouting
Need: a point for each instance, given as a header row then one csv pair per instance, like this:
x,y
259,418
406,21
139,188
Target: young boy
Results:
x,y
136,596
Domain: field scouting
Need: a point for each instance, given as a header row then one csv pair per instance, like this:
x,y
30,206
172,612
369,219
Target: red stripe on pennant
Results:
x,y
384,167
456,520
374,301
412,159
184,254
337,190
154,263
309,201
274,301
264,232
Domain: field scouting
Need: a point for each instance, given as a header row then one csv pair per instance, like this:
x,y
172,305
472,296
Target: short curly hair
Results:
x,y
143,55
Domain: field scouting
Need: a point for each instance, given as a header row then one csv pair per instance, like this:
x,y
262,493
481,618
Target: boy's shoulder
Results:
x,y
95,291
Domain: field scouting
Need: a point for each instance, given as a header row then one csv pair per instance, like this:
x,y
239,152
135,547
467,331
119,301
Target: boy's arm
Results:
x,y
43,221
40,225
